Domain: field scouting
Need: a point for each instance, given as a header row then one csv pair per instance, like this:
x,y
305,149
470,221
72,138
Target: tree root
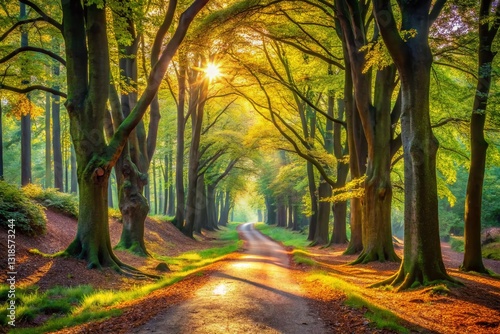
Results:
x,y
373,255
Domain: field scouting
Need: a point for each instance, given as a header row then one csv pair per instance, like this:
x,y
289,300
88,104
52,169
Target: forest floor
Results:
x,y
471,308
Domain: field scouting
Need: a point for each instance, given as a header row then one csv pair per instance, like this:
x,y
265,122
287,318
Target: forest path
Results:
x,y
253,294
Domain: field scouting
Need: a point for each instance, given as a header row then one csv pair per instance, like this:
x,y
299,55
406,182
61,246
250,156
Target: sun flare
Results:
x,y
212,71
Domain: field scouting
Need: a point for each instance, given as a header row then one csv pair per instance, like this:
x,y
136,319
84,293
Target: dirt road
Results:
x,y
254,294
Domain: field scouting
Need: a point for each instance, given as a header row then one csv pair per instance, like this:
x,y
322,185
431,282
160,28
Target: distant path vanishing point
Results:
x,y
253,294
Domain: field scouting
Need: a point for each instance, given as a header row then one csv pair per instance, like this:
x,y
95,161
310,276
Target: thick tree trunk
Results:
x,y
133,206
339,233
377,230
473,259
422,262
357,163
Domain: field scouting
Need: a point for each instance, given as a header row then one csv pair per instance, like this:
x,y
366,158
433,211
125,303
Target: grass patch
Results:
x,y
301,257
286,237
68,307
382,318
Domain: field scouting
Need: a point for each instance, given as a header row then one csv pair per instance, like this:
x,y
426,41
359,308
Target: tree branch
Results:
x,y
34,49
32,88
43,14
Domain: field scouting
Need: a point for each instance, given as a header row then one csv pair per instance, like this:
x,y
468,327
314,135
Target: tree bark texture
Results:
x,y
473,259
422,262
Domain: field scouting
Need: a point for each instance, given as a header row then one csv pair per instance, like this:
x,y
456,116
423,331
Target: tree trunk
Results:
x,y
171,190
271,210
197,106
179,163
295,226
473,259
133,206
74,178
56,137
155,194
321,234
357,147
377,230
211,208
1,143
224,216
200,206
313,220
48,144
422,262
290,213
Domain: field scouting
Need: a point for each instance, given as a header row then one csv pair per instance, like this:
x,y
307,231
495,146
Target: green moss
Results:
x,y
28,216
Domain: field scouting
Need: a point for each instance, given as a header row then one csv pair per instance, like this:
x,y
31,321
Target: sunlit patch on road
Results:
x,y
220,290
242,265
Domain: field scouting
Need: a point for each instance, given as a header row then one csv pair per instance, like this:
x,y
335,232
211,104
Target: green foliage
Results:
x,y
14,204
492,251
54,199
457,244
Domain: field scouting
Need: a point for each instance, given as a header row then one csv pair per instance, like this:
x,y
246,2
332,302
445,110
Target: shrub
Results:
x,y
14,204
54,199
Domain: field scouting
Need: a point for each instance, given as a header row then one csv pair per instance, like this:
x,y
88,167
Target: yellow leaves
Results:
x,y
24,106
377,56
352,189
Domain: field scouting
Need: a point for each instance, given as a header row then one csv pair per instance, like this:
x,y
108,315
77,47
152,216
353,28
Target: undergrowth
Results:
x,y
27,216
54,199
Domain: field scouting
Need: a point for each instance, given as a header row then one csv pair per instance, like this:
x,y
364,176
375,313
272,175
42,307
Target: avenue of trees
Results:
x,y
352,120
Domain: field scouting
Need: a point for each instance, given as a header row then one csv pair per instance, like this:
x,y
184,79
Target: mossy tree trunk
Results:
x,y
422,262
339,232
197,100
376,124
473,259
88,73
